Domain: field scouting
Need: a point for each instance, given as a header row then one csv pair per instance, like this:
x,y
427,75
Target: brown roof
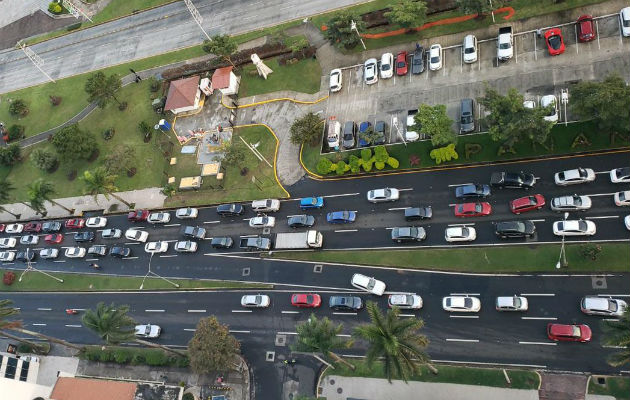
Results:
x,y
93,389
182,93
221,78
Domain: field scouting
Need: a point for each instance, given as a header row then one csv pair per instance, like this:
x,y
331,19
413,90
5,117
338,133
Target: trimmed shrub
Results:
x,y
44,160
138,359
16,132
392,162
366,154
156,357
8,278
55,100
24,348
18,108
367,165
324,166
590,250
341,167
54,8
108,133
182,362
446,153
380,154
73,26
471,148
379,165
10,155
354,163
188,396
122,356
122,106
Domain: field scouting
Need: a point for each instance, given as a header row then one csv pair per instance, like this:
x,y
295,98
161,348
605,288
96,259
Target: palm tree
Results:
x,y
320,336
396,341
112,324
617,333
6,187
43,191
100,181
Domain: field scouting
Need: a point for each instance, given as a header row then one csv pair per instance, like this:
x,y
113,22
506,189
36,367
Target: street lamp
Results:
x,y
562,259
149,272
29,267
353,26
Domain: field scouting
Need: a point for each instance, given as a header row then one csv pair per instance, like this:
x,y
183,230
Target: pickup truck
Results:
x,y
512,180
299,240
256,243
505,44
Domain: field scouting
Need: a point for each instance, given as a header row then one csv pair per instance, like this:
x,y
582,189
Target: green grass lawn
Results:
x,y
303,76
616,386
521,379
34,281
236,187
532,258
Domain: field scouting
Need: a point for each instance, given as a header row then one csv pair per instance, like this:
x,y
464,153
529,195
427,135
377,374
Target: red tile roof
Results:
x,y
94,389
182,93
221,78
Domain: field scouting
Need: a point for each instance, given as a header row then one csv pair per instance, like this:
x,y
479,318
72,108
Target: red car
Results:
x,y
75,223
54,238
527,203
33,227
2,226
401,63
309,300
473,209
569,333
138,215
555,42
586,28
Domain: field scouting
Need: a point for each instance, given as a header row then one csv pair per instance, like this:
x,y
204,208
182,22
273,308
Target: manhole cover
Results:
x,y
281,340
246,271
266,231
599,282
318,268
332,381
270,356
339,390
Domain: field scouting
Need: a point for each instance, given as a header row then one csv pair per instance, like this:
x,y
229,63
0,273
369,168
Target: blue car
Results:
x,y
472,191
363,127
341,217
311,202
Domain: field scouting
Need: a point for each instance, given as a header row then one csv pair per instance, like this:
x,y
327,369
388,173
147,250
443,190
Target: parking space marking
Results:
x,y
235,331
541,318
398,208
289,312
464,316
535,47
345,313
603,217
241,311
345,230
541,343
577,51
463,340
597,31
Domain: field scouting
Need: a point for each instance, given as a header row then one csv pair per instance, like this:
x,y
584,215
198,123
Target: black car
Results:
x,y
25,256
417,61
380,127
194,232
301,221
408,234
472,191
520,180
345,303
120,252
515,229
51,227
98,250
86,236
222,242
418,213
230,210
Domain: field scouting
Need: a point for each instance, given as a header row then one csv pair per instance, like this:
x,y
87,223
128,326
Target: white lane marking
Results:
x,y
91,259
541,318
189,329
172,225
537,294
247,236
344,313
603,217
464,316
196,311
398,208
463,340
170,255
613,347
44,309
286,333
211,222
73,326
405,190
131,243
341,195
407,315
154,310
465,294
237,331
461,184
235,311
462,224
38,324
289,312
389,229
452,205
343,335
613,295
345,230
130,258
60,261
540,343
169,241
602,194
538,220
488,363
602,172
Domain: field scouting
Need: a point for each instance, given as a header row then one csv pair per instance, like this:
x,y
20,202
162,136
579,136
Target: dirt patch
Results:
x,y
28,26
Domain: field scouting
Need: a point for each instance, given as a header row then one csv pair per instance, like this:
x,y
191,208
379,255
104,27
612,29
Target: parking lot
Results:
x,y
531,70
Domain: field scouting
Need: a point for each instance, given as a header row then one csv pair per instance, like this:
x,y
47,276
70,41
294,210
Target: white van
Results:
x,y
267,205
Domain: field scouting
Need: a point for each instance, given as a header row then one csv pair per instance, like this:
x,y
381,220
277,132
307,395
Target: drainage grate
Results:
x,y
281,340
270,356
318,268
599,282
266,231
246,271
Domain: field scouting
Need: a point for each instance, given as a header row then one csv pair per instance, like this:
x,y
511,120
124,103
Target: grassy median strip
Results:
x,y
35,281
508,259
520,379
617,386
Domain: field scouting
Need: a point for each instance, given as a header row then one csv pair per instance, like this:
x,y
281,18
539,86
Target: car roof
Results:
x,y
596,303
399,299
562,329
505,301
457,301
524,201
361,279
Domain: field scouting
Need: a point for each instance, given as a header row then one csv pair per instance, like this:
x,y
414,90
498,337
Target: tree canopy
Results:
x,y
617,333
478,6
307,129
212,348
320,336
607,102
73,143
221,45
434,121
408,13
102,89
339,30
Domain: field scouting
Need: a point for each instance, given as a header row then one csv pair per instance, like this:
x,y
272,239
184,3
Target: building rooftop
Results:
x,y
221,78
182,93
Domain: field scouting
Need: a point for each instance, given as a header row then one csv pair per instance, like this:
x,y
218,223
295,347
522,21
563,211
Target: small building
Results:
x,y
184,95
224,80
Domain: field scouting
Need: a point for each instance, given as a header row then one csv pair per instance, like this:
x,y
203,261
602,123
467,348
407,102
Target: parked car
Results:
x,y
2,226
365,128
53,238
515,229
555,42
341,217
387,65
466,115
112,233
383,195
417,61
97,250
472,191
306,300
51,227
622,198
14,228
461,304
607,306
624,20
148,331
120,251
29,240
138,215
308,203
460,234
336,80
301,221
620,175
267,205
401,64
435,57
186,246
511,303
35,227
86,236
569,333
96,222
75,252
530,104
221,242
230,210
193,232
255,301
551,102
345,303
408,234
380,129
156,247
262,221
411,127
410,301
349,135
136,235
368,284
527,203
571,203
186,213
418,213
159,218
370,74
7,243
626,222
574,176
75,223
478,209
469,49
25,255
578,227
7,256
586,28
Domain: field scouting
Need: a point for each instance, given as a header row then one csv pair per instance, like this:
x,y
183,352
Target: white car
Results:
x,y
387,65
136,235
148,331
262,221
156,247
435,57
382,195
469,49
622,198
620,175
14,228
75,252
410,134
6,256
531,104
111,233
186,213
255,301
186,246
48,253
368,284
7,243
574,227
96,222
626,221
267,205
550,101
511,303
370,73
461,304
159,218
29,240
594,305
460,234
336,80
571,203
624,19
574,176
409,301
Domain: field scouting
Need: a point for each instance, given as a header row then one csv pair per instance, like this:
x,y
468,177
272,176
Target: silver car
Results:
x,y
594,305
571,203
370,71
148,331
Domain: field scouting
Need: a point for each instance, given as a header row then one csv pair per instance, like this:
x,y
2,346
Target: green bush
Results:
x,y
44,160
138,359
324,166
107,355
341,167
73,26
10,155
188,396
392,162
122,356
182,362
366,154
380,154
16,132
18,108
471,148
54,8
442,154
24,348
379,165
367,165
92,353
156,357
355,165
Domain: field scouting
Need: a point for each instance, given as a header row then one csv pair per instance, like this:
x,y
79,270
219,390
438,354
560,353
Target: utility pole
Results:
x,y
196,16
39,63
74,9
562,259
353,26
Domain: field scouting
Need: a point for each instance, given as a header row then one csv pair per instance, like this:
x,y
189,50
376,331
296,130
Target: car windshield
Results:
x,y
575,331
517,302
467,119
401,64
612,306
435,59
417,60
469,50
468,302
625,22
504,46
582,226
371,283
555,41
464,232
385,67
577,200
478,207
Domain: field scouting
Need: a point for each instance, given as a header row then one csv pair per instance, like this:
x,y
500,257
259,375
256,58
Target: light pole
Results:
x,y
196,16
149,272
492,11
29,267
562,259
353,26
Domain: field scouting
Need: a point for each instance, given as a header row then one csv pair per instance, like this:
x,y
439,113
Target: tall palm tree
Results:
x,y
112,324
100,181
43,191
320,336
6,187
395,340
617,333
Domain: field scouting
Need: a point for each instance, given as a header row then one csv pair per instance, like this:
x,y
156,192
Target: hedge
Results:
x,y
379,159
